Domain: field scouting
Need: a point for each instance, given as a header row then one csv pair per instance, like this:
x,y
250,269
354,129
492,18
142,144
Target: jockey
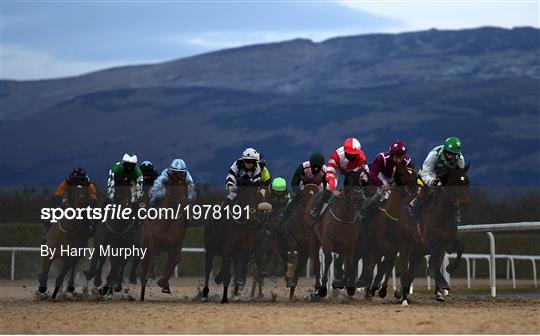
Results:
x,y
447,155
175,172
244,171
381,171
312,171
149,173
346,159
77,177
128,173
280,197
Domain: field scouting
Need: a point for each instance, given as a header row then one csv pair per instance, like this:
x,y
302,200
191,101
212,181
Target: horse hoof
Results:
x,y
97,282
166,290
205,292
397,293
42,289
405,303
382,292
71,289
104,290
322,292
163,283
117,288
224,300
440,298
351,290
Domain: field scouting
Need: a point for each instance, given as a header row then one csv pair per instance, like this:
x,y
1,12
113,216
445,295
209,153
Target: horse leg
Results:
x,y
405,250
339,273
388,264
120,275
111,277
71,281
99,271
226,271
434,268
173,258
351,271
91,273
66,266
135,261
208,265
44,275
145,267
327,262
301,265
457,247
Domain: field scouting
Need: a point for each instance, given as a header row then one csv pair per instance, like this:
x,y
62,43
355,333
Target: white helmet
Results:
x,y
250,154
178,165
130,158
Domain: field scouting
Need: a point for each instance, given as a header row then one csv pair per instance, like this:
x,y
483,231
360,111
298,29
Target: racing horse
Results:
x,y
437,230
114,233
165,234
340,230
72,232
233,237
300,236
386,232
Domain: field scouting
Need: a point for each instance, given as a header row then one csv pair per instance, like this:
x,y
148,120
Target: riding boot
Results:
x,y
317,209
415,208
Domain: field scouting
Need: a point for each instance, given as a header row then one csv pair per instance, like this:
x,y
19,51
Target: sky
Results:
x,y
59,38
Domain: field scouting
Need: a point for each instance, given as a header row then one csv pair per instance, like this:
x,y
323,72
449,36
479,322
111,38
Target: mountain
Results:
x,y
288,99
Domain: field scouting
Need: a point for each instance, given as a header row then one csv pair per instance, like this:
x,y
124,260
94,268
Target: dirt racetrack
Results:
x,y
22,311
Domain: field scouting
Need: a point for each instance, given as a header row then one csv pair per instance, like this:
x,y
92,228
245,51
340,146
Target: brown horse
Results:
x,y
340,231
233,237
72,232
386,231
165,234
114,233
438,230
301,238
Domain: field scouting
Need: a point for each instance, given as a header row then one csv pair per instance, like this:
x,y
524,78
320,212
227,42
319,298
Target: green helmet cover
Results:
x,y
452,145
316,159
279,184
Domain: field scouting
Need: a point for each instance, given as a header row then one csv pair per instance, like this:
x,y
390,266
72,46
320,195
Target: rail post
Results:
x,y
13,265
492,270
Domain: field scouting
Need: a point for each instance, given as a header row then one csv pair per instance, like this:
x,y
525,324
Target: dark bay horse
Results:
x,y
438,229
114,233
340,231
72,232
300,238
386,231
165,234
234,238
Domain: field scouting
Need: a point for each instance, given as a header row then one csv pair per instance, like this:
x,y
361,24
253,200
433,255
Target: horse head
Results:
x,y
457,182
177,190
354,189
77,196
406,178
